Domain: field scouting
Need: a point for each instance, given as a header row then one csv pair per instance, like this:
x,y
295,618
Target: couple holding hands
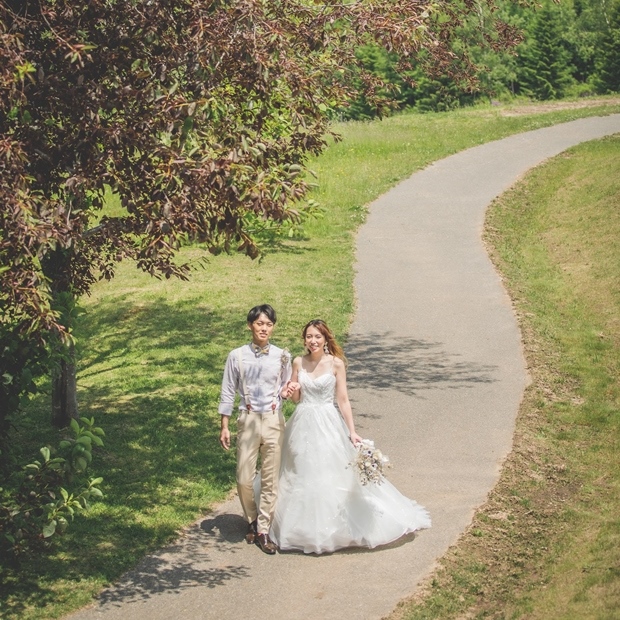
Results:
x,y
307,496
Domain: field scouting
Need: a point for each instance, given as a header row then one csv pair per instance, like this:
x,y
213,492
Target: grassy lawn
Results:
x,y
151,355
547,543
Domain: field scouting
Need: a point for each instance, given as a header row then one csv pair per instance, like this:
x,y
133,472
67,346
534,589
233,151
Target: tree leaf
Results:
x,y
49,528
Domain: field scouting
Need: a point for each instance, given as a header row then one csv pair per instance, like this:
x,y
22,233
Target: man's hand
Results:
x,y
225,438
225,433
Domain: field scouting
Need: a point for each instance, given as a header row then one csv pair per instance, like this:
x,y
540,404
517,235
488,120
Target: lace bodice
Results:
x,y
318,391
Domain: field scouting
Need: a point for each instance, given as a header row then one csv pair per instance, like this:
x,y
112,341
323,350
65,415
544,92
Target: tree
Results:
x,y
545,59
198,114
590,24
494,67
608,62
414,89
377,62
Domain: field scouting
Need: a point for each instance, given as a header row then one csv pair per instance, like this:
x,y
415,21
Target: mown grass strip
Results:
x,y
152,352
547,543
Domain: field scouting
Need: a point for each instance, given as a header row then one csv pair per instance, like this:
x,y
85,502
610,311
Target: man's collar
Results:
x,y
258,350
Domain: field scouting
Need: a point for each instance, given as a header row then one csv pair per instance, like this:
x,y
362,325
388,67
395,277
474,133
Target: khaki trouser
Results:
x,y
259,432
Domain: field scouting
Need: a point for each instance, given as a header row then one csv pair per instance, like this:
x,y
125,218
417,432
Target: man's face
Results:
x,y
261,330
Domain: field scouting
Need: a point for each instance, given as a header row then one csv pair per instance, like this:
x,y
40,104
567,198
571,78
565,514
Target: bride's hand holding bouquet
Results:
x,y
355,438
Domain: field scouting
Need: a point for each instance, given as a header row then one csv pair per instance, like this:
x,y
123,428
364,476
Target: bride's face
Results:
x,y
314,339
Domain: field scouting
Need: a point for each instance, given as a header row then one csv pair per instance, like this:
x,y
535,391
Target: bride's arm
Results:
x,y
342,398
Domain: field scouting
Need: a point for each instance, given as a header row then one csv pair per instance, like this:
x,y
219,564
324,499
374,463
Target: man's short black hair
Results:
x,y
265,309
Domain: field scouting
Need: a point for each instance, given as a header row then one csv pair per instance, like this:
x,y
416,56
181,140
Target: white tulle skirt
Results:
x,y
321,505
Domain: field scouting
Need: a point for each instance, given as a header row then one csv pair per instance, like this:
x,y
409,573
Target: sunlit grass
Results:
x,y
151,354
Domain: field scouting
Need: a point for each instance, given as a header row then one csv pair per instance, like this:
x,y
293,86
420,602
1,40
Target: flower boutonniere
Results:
x,y
285,358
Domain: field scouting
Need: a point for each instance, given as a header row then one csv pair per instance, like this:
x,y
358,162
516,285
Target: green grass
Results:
x,y
547,543
152,352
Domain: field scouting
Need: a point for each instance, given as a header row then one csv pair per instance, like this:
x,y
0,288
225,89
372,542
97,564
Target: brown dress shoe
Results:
x,y
250,537
266,544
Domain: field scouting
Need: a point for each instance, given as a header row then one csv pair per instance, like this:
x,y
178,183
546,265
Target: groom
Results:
x,y
259,372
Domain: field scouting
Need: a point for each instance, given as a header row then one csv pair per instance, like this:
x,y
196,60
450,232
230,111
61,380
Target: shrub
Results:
x,y
40,500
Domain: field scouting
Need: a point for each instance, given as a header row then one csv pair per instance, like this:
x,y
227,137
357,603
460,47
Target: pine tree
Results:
x,y
545,71
608,65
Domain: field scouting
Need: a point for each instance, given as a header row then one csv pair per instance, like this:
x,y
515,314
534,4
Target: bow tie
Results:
x,y
258,351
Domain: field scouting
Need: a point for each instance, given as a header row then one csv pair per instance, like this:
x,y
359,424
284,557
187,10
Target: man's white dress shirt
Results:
x,y
262,376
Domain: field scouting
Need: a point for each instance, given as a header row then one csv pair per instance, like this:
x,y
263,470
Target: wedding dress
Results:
x,y
322,506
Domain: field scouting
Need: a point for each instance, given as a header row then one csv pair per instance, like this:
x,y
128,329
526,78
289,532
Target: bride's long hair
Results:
x,y
332,346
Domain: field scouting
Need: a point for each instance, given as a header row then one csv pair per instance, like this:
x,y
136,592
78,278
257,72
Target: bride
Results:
x,y
322,505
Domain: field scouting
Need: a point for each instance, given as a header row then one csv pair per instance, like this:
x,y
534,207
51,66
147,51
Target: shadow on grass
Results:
x,y
150,374
269,244
158,400
380,361
121,329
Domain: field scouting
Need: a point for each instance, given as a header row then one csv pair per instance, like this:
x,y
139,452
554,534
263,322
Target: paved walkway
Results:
x,y
436,376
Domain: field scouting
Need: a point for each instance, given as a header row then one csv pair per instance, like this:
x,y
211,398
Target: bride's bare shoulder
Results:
x,y
338,363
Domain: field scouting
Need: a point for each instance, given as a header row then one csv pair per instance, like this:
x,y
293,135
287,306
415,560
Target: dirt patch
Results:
x,y
553,106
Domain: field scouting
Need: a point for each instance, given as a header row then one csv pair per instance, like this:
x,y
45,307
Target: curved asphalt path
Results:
x,y
436,376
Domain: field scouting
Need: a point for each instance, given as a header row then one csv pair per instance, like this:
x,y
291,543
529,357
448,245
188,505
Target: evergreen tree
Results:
x,y
583,36
608,65
375,62
414,89
545,69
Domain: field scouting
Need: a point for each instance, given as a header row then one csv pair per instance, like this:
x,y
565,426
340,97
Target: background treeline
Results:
x,y
569,48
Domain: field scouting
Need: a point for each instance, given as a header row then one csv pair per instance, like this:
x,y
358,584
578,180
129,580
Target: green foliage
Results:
x,y
68,309
22,360
415,88
608,61
497,70
378,62
545,70
582,27
38,502
437,94
569,48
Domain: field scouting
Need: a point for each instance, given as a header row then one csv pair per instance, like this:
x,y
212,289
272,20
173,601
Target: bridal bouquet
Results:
x,y
369,462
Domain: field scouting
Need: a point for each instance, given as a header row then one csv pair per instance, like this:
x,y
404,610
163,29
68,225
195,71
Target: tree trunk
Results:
x,y
57,267
64,391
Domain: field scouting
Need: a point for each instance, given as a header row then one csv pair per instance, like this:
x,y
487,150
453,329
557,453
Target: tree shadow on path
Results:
x,y
186,563
383,361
